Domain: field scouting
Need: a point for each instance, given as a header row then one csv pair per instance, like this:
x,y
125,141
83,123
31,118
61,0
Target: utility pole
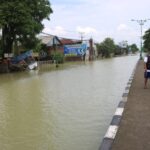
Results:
x,y
81,35
141,23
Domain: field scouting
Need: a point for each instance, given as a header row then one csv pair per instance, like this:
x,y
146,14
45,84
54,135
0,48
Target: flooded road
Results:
x,y
68,108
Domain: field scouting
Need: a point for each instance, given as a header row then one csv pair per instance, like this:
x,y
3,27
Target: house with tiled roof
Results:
x,y
66,41
51,44
50,40
54,43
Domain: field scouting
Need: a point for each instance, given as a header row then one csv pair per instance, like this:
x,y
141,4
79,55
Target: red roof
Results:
x,y
69,41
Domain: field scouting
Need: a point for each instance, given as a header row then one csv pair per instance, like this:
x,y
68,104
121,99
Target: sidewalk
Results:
x,y
134,130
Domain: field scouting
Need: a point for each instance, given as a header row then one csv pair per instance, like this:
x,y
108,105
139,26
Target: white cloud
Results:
x,y
127,33
122,27
86,30
99,18
58,30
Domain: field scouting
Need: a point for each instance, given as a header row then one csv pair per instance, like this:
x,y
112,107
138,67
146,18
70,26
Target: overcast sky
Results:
x,y
98,19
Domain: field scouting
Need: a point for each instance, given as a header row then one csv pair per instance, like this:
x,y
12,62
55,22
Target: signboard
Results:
x,y
35,54
75,50
7,55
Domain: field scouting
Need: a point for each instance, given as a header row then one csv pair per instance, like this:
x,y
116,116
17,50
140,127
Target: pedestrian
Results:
x,y
146,69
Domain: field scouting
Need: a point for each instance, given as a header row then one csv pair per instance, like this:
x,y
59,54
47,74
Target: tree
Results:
x,y
106,48
118,50
133,48
124,47
0,46
21,20
146,38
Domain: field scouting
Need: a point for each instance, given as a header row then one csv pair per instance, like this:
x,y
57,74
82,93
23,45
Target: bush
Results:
x,y
58,57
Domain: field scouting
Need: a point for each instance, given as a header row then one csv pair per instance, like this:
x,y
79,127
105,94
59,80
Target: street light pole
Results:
x,y
141,23
81,34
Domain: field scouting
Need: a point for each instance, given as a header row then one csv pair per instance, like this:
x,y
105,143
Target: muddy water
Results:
x,y
68,108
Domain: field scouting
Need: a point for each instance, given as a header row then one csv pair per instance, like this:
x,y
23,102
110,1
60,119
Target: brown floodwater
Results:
x,y
66,108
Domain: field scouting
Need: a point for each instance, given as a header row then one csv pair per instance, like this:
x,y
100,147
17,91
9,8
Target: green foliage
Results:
x,y
38,47
70,55
106,48
31,43
1,51
118,50
146,38
21,20
57,56
133,48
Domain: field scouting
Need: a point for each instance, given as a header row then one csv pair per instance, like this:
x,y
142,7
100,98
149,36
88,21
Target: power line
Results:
x,y
71,31
63,37
81,34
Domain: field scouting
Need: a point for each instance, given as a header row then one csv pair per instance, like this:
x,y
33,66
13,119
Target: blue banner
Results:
x,y
76,50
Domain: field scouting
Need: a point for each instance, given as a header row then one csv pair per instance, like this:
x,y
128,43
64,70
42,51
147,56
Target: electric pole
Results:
x,y
141,23
81,35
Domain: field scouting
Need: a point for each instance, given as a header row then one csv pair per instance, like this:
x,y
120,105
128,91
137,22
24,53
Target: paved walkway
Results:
x,y
134,130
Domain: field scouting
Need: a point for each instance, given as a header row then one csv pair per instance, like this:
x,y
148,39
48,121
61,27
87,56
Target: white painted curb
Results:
x,y
114,125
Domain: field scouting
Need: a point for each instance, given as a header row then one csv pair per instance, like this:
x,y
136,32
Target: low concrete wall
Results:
x,y
73,58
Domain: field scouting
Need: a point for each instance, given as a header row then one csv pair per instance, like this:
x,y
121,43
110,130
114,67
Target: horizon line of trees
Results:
x,y
108,48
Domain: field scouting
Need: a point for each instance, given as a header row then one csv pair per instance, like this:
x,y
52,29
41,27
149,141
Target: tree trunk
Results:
x,y
7,40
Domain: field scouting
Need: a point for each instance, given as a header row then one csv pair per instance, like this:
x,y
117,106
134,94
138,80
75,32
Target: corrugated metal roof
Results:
x,y
46,39
49,40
